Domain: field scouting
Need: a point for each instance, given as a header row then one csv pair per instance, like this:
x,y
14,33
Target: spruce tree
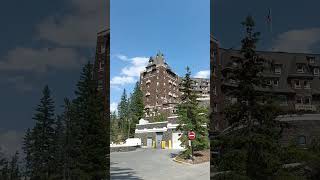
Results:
x,y
43,137
123,113
14,171
191,116
136,107
93,125
72,141
27,149
249,148
58,147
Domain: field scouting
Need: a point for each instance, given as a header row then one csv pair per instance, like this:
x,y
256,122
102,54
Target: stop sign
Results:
x,y
191,135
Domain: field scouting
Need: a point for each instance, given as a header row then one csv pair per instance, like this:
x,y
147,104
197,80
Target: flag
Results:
x,y
269,17
269,20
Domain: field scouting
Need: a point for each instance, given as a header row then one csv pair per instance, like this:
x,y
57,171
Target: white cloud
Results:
x,y
297,40
113,107
137,65
122,80
203,74
122,57
39,60
129,74
78,28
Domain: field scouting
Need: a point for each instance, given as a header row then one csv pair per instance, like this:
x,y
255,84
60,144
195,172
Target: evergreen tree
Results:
x,y
191,116
43,137
93,125
115,130
72,141
123,113
249,148
136,108
4,167
27,148
14,171
59,145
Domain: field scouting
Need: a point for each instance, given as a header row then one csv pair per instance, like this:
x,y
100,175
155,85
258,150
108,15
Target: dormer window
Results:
x,y
316,71
277,69
300,68
311,60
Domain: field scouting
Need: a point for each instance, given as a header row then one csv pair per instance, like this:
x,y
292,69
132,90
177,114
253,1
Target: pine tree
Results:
x,y
249,148
93,125
4,169
191,116
123,113
43,137
27,149
58,147
14,171
136,108
115,129
72,141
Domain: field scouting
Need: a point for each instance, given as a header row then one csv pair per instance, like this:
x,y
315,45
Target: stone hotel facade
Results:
x,y
160,87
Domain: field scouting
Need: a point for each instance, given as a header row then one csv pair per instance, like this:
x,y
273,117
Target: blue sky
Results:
x,y
42,42
139,29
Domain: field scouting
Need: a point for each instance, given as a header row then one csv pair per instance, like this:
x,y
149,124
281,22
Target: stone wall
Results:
x,y
307,126
123,149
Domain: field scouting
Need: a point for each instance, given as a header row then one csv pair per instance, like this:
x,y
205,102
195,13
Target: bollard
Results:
x,y
169,145
164,144
153,144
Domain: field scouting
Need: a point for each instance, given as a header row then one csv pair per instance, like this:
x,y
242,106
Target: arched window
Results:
x,y
302,140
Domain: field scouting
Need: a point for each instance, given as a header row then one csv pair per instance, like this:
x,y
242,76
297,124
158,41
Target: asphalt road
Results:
x,y
154,164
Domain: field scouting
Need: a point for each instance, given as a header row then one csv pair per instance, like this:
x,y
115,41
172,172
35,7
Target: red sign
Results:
x,y
191,135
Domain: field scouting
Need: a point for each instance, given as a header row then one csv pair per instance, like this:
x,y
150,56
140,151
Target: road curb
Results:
x,y
181,162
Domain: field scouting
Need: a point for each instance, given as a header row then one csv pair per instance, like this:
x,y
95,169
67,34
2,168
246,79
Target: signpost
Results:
x,y
191,136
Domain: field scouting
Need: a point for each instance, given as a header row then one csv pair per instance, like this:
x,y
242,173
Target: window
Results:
x,y
215,109
276,82
311,60
307,100
157,77
277,69
269,82
306,84
302,140
316,71
157,83
300,68
282,99
297,84
299,100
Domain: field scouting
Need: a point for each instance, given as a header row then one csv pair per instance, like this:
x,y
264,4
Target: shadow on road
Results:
x,y
118,173
173,155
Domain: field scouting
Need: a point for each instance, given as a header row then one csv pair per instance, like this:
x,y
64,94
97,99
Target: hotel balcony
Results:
x,y
306,107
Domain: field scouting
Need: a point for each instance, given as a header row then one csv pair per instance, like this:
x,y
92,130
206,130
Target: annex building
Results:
x,y
294,80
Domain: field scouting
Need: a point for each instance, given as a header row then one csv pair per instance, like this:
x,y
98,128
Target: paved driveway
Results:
x,y
154,164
